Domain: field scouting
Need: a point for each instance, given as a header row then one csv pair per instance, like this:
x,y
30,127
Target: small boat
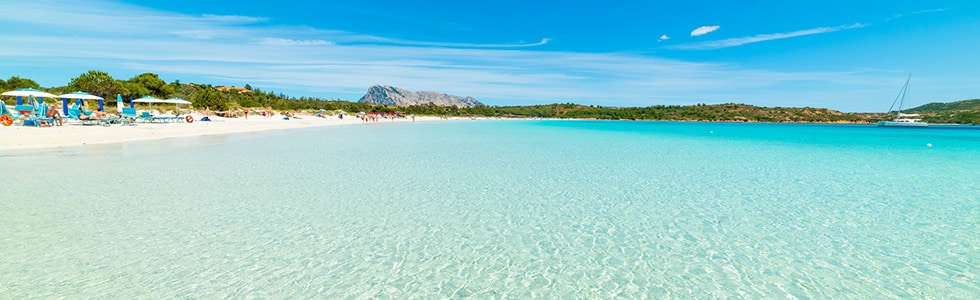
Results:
x,y
903,119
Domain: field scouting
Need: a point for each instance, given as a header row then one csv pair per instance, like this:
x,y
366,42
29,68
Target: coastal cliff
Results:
x,y
394,96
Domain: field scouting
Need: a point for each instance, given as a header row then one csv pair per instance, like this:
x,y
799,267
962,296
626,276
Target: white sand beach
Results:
x,y
74,134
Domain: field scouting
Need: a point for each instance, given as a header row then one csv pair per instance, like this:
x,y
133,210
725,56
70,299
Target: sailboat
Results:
x,y
902,119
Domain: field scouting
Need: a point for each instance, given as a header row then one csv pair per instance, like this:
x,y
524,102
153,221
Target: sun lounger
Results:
x,y
28,114
129,112
72,114
145,117
41,116
84,117
164,119
127,116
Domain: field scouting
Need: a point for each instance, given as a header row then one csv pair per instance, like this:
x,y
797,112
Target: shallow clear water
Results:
x,y
500,209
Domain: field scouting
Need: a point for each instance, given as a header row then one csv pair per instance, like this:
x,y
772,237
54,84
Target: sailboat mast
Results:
x,y
900,98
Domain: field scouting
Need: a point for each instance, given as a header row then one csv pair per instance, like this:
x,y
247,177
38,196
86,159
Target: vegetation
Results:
x,y
207,96
959,112
17,82
700,112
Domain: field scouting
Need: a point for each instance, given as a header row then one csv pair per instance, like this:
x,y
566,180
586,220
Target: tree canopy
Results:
x,y
16,82
97,83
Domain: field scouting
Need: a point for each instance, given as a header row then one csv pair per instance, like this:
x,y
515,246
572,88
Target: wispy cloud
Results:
x,y
380,40
235,19
663,38
927,11
930,11
733,42
197,34
704,30
291,42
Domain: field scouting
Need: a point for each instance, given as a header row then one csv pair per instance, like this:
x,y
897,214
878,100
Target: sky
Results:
x,y
852,56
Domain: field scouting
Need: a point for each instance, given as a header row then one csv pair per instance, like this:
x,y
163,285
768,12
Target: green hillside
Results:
x,y
963,105
958,112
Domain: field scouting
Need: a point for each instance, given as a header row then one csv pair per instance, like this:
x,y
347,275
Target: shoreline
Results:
x,y
73,134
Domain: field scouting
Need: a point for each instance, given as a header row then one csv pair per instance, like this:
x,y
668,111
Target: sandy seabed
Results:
x,y
73,134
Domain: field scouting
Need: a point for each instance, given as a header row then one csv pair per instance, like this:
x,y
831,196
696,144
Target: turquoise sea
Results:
x,y
500,209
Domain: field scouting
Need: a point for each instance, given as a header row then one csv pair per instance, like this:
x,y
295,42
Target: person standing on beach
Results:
x,y
246,113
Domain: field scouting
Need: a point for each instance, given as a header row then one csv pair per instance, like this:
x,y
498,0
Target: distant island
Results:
x,y
389,99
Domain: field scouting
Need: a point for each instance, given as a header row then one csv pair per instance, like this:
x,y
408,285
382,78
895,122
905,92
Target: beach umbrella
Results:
x,y
76,95
176,102
119,103
148,99
27,92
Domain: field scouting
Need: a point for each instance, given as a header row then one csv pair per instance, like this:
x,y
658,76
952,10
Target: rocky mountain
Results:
x,y
389,95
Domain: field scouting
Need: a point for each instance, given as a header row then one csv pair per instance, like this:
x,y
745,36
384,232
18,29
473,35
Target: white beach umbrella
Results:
x,y
148,99
28,92
176,102
79,95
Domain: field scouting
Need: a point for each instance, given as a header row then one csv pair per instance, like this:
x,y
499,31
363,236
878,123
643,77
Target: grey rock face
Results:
x,y
389,95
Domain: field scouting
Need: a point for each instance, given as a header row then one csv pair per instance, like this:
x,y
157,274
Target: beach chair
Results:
x,y
72,114
108,121
128,112
127,116
41,116
83,117
164,119
145,117
26,112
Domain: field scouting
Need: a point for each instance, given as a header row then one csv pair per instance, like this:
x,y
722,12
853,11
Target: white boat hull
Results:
x,y
901,124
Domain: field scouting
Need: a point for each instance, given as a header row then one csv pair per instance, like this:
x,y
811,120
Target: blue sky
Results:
x,y
844,55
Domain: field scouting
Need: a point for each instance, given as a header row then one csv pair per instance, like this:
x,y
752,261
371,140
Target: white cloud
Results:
x,y
733,42
235,19
704,30
930,11
379,40
927,11
291,42
197,34
663,38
